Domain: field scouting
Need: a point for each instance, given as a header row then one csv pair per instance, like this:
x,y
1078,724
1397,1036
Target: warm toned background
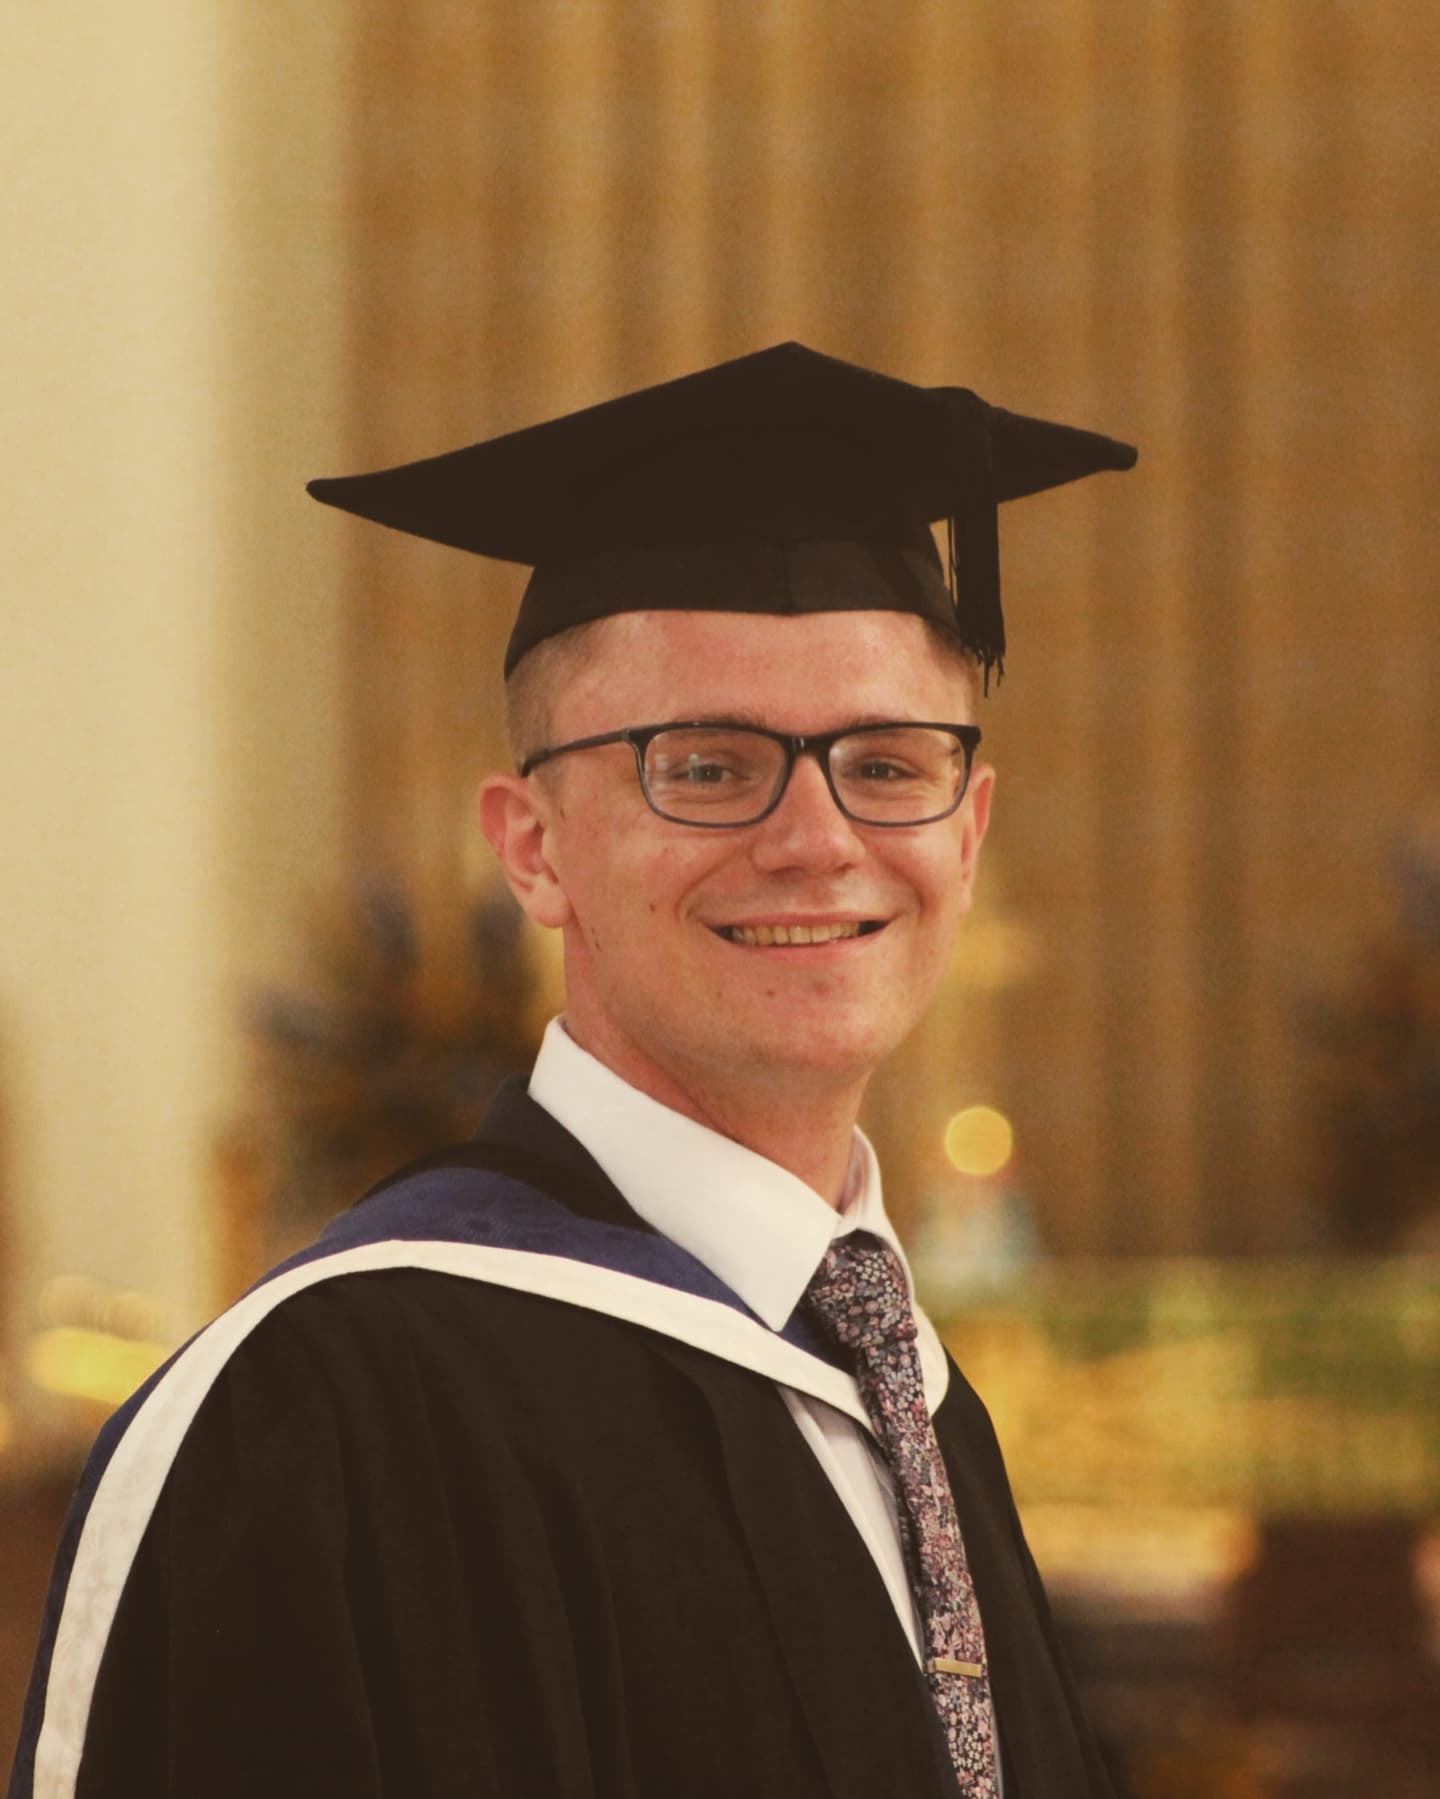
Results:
x,y
247,245
1212,229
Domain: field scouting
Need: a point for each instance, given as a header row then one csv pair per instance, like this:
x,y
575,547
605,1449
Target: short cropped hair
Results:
x,y
534,683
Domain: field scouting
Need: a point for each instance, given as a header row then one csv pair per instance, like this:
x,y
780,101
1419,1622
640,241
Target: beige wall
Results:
x,y
171,284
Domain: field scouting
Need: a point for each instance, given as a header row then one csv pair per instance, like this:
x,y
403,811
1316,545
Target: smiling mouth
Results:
x,y
779,936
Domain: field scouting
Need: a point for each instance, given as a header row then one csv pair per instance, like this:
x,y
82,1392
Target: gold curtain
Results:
x,y
1211,229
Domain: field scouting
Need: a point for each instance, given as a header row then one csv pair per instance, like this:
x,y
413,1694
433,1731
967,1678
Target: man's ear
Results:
x,y
974,822
515,817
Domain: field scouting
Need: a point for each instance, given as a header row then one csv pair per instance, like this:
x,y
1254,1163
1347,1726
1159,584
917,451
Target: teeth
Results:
x,y
764,936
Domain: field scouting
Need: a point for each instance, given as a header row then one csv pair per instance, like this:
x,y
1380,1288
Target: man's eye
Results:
x,y
882,769
698,773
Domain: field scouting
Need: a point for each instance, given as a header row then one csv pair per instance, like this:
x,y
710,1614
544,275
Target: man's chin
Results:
x,y
824,1055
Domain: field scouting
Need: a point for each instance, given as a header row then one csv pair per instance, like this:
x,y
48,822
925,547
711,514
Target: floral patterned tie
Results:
x,y
860,1301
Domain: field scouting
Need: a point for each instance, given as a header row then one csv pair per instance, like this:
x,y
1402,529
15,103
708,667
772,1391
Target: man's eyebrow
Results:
x,y
745,715
733,715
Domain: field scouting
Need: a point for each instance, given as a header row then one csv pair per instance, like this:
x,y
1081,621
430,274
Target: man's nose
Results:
x,y
807,827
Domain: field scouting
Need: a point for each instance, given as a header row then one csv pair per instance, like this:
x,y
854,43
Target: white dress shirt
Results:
x,y
763,1232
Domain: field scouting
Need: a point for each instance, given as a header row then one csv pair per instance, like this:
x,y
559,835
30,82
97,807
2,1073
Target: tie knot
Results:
x,y
859,1294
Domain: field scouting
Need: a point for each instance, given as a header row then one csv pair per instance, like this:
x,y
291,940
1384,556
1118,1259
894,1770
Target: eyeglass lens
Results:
x,y
713,775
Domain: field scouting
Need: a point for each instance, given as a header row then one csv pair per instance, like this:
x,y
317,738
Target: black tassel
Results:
x,y
972,531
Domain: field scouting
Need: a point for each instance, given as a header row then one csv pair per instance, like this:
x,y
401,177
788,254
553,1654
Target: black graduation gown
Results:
x,y
429,1535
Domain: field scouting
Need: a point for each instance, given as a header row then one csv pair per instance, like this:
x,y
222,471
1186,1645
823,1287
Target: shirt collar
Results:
x,y
755,1225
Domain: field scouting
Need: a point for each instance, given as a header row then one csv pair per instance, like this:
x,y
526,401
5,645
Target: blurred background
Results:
x,y
1167,1149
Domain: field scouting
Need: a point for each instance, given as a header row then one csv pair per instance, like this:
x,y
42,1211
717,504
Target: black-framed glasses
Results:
x,y
717,775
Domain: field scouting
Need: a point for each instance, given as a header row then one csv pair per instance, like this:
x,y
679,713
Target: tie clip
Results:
x,y
942,1664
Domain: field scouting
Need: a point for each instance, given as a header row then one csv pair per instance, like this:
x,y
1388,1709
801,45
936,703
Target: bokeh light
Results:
x,y
979,1140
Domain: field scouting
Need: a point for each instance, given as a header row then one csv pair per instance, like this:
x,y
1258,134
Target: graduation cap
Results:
x,y
783,482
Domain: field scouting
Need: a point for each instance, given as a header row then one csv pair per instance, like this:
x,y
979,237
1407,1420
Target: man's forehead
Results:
x,y
841,667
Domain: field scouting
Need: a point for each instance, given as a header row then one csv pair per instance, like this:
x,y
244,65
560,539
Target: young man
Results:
x,y
608,1455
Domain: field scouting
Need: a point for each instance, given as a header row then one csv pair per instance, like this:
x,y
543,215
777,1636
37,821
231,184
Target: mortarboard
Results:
x,y
783,482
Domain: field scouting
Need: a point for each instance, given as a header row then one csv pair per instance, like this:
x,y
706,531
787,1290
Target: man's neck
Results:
x,y
802,1121
803,1134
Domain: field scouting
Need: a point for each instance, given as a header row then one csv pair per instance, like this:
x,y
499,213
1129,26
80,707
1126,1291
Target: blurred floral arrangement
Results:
x,y
394,1049
1282,1389
1379,1090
